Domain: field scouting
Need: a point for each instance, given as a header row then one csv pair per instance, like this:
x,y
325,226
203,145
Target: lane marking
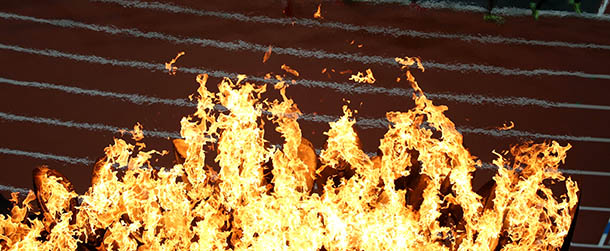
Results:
x,y
86,126
133,98
602,240
598,209
602,8
47,156
517,133
345,87
586,245
364,123
505,11
303,53
162,134
13,189
377,30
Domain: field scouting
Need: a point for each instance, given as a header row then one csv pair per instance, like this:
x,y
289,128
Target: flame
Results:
x,y
361,78
507,127
318,13
289,70
136,134
232,189
267,54
409,61
172,69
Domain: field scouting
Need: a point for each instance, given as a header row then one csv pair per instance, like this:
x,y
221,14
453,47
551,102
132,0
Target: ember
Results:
x,y
318,13
361,78
169,65
290,70
505,127
231,190
267,54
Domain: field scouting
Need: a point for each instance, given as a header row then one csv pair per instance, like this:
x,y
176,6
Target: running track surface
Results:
x,y
66,87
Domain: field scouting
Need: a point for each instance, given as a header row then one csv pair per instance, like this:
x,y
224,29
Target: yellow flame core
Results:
x,y
193,207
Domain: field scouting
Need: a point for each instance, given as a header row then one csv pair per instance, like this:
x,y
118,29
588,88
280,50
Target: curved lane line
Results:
x,y
345,87
303,53
377,30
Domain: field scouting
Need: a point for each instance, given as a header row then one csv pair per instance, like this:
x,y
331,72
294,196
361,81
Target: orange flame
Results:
x,y
318,13
267,54
507,127
231,190
361,78
289,70
172,69
409,61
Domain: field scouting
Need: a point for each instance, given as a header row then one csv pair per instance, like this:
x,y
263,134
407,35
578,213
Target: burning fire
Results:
x,y
231,190
169,65
267,54
318,13
505,127
290,70
361,78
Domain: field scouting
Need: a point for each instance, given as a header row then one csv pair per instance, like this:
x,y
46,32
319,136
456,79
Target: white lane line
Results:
x,y
520,101
505,11
597,209
47,156
602,240
602,8
377,30
585,172
133,98
345,88
565,171
302,53
368,123
161,134
517,133
364,123
586,245
13,189
87,126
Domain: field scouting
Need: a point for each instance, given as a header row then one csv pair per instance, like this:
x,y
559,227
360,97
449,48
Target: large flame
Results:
x,y
231,201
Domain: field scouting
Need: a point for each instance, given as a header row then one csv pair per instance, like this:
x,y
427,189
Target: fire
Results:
x,y
231,189
318,13
361,78
409,61
267,54
169,66
505,127
290,70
